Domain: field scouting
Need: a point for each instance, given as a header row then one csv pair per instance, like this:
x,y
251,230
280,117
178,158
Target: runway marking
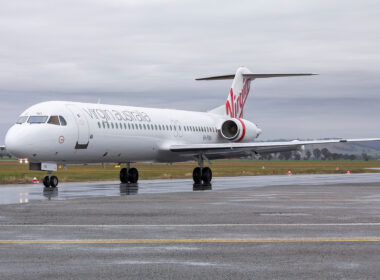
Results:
x,y
176,241
203,225
236,199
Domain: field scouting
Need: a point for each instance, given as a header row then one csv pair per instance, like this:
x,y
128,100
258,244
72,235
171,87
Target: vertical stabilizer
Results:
x,y
238,94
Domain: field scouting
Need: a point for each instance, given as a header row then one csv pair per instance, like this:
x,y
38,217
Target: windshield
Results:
x,y
37,119
22,119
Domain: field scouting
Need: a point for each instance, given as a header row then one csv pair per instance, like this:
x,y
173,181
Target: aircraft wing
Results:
x,y
231,150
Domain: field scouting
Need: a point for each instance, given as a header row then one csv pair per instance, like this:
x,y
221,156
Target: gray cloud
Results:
x,y
148,53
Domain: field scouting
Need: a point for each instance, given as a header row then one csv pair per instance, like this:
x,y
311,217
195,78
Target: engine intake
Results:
x,y
237,130
230,130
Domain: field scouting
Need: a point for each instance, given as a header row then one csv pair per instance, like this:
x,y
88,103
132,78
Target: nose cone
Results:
x,y
15,142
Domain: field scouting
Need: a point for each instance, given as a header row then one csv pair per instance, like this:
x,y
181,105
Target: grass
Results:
x,y
12,172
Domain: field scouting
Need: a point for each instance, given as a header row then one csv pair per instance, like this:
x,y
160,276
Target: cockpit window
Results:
x,y
37,119
53,120
21,119
63,121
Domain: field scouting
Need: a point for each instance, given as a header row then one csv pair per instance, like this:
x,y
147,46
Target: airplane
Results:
x,y
55,133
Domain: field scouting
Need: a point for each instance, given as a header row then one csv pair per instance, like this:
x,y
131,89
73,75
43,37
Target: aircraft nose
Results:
x,y
14,142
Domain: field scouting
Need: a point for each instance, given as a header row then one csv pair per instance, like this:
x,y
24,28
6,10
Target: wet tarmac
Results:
x,y
13,194
265,227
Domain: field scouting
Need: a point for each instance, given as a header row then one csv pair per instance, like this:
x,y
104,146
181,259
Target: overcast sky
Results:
x,y
147,53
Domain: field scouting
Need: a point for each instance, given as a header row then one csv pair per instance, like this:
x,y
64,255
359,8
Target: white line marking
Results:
x,y
204,225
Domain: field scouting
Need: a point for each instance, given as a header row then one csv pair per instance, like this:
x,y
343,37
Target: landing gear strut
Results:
x,y
202,176
50,181
129,175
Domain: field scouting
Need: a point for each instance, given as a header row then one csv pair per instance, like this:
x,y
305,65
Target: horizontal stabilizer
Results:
x,y
254,76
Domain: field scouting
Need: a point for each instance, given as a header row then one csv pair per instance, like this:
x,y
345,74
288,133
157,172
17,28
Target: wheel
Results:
x,y
197,177
123,175
46,181
133,175
206,175
53,181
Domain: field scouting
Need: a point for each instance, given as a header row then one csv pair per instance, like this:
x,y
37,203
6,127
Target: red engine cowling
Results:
x,y
239,130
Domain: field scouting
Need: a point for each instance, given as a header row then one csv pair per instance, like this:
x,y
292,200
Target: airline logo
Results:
x,y
235,103
114,115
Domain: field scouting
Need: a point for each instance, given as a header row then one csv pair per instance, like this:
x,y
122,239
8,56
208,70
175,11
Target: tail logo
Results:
x,y
235,104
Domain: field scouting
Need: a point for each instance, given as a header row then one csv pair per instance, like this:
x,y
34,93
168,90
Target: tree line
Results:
x,y
315,154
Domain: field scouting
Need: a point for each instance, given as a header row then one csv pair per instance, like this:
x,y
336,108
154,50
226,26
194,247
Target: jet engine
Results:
x,y
239,130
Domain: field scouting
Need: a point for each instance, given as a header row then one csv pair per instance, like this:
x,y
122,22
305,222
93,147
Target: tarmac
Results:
x,y
264,227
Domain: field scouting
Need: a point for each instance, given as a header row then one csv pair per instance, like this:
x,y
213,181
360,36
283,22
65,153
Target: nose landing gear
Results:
x,y
50,181
129,175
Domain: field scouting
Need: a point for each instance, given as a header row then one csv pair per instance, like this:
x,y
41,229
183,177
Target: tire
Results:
x,y
46,181
123,175
133,175
53,181
206,175
197,175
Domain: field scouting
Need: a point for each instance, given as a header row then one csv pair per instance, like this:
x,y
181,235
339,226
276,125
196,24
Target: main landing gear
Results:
x,y
202,176
129,175
50,181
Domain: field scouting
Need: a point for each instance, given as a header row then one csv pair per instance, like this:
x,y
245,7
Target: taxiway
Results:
x,y
285,227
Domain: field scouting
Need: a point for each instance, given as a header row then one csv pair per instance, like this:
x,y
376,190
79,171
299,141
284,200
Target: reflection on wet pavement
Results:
x,y
13,194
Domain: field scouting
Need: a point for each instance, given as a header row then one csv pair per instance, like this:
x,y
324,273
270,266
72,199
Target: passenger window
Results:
x,y
63,121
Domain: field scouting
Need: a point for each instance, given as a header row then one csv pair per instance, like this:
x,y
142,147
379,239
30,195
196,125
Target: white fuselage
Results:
x,y
109,133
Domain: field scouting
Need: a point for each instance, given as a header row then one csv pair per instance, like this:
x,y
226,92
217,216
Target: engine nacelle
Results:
x,y
239,130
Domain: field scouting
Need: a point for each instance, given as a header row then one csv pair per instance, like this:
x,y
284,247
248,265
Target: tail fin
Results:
x,y
239,91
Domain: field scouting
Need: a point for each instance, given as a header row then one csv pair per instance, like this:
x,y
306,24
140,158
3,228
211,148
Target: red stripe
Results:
x,y
243,134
